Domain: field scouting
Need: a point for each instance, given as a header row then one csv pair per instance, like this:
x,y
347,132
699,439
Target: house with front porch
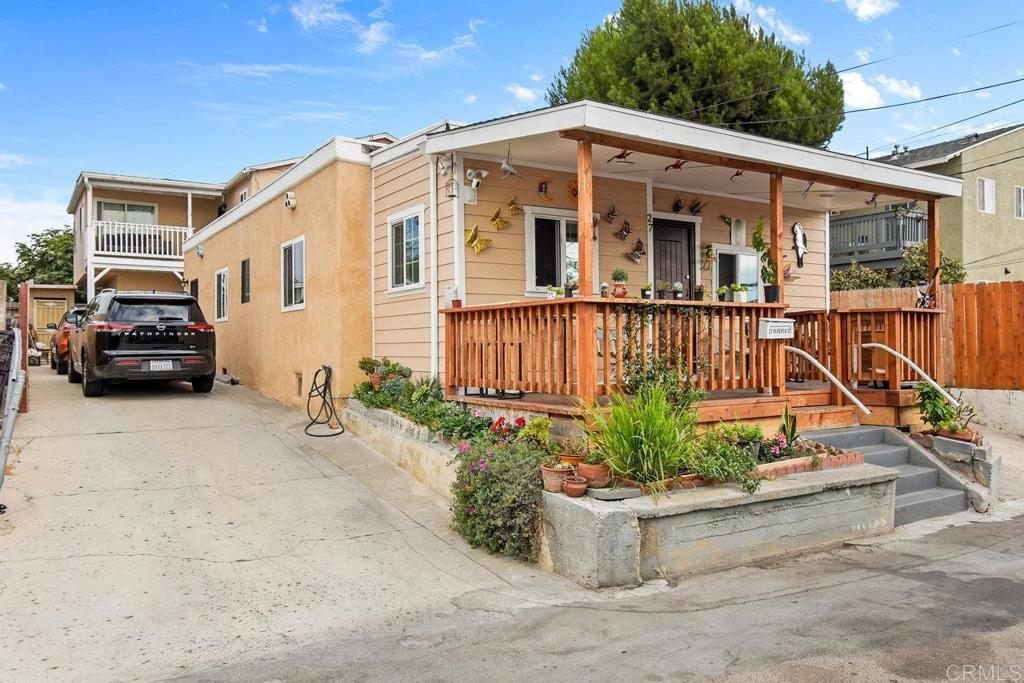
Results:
x,y
469,227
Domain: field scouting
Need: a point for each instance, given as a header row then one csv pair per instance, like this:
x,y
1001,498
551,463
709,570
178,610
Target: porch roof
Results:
x,y
548,137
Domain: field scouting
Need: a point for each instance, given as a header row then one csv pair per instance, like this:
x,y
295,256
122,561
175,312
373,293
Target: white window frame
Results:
x,y
217,317
1018,202
305,274
401,216
981,186
243,195
531,213
739,251
99,200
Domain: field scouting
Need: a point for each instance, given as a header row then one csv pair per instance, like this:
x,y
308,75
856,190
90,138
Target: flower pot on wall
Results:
x,y
772,294
619,291
645,293
597,476
661,294
574,487
554,477
456,303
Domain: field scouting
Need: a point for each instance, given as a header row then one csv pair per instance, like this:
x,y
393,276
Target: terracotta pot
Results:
x,y
970,436
597,476
619,291
376,381
574,487
554,478
570,458
456,303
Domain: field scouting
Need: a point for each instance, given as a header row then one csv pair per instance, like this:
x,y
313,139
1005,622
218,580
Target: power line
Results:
x,y
994,163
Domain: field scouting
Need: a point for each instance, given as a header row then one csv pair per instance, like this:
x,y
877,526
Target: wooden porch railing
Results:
x,y
837,338
590,346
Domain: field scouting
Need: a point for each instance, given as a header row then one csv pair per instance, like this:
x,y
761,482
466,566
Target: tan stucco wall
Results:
x,y
140,280
264,346
253,182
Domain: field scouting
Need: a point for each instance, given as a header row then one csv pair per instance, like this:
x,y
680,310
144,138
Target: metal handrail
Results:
x,y
919,371
12,400
831,377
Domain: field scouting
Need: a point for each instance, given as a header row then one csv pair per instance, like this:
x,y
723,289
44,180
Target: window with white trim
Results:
x,y
293,274
986,195
738,265
221,290
405,250
126,212
1018,202
243,195
553,249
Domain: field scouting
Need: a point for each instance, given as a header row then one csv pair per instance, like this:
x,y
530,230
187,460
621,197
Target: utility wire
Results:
x,y
948,125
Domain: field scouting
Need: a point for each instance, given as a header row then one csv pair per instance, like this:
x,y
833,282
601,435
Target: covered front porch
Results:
x,y
503,343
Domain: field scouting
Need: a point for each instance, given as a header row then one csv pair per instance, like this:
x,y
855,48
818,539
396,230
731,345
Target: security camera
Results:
x,y
475,176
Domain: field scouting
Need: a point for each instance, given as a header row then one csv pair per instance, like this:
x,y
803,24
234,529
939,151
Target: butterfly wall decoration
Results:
x,y
624,232
497,221
696,206
677,205
474,240
573,190
514,208
611,214
637,252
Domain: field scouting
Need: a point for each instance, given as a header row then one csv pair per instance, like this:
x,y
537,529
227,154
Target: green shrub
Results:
x,y
385,397
537,430
719,458
740,431
496,496
646,440
936,411
456,423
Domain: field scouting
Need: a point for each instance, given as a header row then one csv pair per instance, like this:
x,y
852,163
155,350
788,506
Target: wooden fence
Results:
x,y
981,334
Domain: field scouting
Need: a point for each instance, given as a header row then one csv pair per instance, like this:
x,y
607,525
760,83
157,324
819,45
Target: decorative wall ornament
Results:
x,y
873,201
637,252
514,209
677,205
709,256
676,166
799,244
507,168
726,219
807,189
736,175
573,190
543,189
696,206
474,240
624,231
622,157
497,221
595,230
611,214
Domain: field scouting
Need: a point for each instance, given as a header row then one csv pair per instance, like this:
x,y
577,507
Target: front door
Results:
x,y
673,253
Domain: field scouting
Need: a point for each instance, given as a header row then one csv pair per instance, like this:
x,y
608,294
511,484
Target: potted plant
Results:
x,y
553,473
646,289
662,289
678,292
574,486
942,418
605,290
595,470
554,292
724,293
377,371
746,436
739,293
570,288
769,269
620,277
698,293
571,450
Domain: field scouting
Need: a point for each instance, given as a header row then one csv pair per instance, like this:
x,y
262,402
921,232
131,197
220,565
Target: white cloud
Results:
x,y
259,26
867,10
983,94
2,87
313,14
899,87
373,37
469,99
858,93
382,9
11,160
266,70
272,113
522,93
864,54
886,37
475,24
957,52
536,77
421,55
769,18
20,217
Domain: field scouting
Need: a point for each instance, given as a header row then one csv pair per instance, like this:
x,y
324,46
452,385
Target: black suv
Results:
x,y
140,336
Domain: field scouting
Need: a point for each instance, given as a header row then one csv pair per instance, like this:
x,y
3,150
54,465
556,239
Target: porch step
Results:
x,y
918,494
933,502
811,418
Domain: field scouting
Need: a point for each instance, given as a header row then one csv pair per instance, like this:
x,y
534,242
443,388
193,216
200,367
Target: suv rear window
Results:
x,y
155,310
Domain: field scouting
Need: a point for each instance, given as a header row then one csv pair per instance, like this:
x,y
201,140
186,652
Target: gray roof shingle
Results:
x,y
941,150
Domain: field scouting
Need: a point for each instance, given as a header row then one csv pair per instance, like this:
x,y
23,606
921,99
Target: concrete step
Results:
x,y
916,478
884,454
849,437
813,418
933,502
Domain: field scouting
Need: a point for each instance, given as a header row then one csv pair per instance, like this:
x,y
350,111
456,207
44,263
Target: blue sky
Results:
x,y
196,89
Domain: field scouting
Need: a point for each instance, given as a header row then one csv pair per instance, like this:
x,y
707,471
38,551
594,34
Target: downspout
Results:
x,y
373,266
828,261
90,243
434,315
459,237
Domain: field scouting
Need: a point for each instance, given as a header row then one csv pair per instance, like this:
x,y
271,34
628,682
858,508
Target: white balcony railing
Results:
x,y
137,240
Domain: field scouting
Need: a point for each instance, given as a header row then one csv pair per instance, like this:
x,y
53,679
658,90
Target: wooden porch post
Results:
x,y
586,335
933,249
775,249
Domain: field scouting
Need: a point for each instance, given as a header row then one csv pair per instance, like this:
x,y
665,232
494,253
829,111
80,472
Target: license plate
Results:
x,y
157,365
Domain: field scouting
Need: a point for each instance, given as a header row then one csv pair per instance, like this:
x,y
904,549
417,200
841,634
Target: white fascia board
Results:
x,y
409,144
140,184
688,135
261,167
335,149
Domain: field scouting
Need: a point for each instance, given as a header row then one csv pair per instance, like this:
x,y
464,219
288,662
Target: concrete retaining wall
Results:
x,y
1002,410
412,447
601,543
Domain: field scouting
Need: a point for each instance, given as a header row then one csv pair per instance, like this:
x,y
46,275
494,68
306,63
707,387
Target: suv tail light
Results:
x,y
203,327
106,327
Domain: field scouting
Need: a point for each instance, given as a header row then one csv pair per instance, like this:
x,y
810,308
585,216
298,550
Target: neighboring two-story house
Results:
x,y
130,230
984,228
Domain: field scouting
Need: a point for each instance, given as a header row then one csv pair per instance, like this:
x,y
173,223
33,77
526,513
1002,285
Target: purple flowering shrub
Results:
x,y
496,495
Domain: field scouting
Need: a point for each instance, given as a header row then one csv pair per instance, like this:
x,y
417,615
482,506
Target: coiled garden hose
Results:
x,y
326,415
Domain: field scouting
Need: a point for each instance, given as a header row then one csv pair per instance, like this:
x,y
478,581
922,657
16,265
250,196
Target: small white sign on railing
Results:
x,y
775,328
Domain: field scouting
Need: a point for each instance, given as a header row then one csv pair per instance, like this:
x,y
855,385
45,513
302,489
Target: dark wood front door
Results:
x,y
673,253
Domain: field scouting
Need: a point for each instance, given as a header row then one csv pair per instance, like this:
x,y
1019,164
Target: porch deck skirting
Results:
x,y
588,346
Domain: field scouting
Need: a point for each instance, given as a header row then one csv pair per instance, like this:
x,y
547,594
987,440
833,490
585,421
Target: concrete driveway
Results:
x,y
154,534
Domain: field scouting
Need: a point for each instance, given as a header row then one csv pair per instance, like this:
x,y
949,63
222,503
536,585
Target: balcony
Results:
x,y
877,240
137,241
